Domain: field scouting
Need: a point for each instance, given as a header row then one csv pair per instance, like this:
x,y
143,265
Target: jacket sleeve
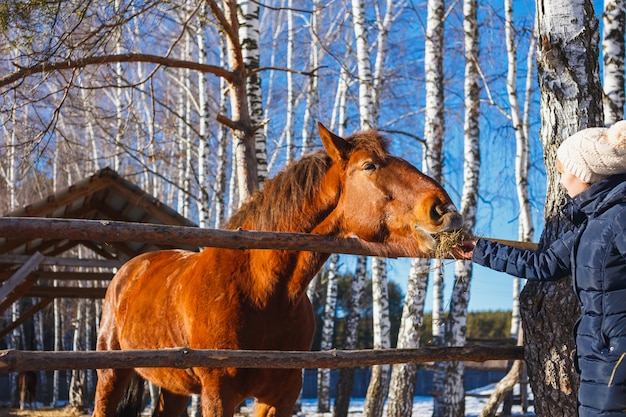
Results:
x,y
549,265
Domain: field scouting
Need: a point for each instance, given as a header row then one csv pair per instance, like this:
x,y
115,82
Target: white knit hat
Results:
x,y
596,153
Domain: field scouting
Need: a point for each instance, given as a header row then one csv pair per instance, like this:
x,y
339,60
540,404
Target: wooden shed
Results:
x,y
65,268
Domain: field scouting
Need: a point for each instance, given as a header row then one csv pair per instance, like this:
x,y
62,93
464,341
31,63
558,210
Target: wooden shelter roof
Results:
x,y
102,196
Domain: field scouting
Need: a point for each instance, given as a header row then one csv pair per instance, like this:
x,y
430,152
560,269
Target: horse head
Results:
x,y
384,198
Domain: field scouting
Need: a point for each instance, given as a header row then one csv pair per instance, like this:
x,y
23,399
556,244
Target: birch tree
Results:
x,y
614,21
312,89
379,382
346,375
343,392
404,376
571,99
203,128
456,325
323,374
248,13
519,116
370,85
433,157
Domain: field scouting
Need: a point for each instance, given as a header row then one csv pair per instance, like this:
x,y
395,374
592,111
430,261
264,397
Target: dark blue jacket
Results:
x,y
594,253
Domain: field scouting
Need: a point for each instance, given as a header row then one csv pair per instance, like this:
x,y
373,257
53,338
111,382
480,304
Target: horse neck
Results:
x,y
291,271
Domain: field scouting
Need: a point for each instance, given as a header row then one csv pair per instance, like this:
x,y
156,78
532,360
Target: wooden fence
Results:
x,y
17,360
113,231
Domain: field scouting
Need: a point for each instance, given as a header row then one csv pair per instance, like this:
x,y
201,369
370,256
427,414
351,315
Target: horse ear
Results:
x,y
337,147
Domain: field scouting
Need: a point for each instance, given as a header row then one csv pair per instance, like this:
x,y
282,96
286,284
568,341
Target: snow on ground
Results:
x,y
422,406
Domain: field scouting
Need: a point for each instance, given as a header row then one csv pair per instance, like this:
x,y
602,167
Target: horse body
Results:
x,y
256,299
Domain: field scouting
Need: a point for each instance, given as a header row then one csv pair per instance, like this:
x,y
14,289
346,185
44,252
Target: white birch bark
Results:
x,y
433,160
222,150
614,21
184,132
368,110
119,100
248,15
58,346
454,387
203,128
323,374
289,121
438,330
379,382
404,376
76,397
338,115
366,104
434,111
346,375
312,98
384,25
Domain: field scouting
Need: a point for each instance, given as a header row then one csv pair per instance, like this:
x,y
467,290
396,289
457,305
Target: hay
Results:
x,y
448,241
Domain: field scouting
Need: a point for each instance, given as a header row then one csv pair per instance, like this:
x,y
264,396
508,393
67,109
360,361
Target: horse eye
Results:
x,y
369,167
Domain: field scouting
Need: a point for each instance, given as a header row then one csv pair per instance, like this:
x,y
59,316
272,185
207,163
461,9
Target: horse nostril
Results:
x,y
453,217
436,212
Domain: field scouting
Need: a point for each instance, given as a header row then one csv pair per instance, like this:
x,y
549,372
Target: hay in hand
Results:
x,y
449,241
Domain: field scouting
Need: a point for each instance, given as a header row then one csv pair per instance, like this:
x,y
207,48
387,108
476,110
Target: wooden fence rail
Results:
x,y
19,360
181,236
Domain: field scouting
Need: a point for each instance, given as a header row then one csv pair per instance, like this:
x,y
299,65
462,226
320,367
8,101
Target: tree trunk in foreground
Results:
x,y
571,99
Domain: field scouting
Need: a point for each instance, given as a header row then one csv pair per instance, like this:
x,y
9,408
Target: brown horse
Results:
x,y
256,299
27,386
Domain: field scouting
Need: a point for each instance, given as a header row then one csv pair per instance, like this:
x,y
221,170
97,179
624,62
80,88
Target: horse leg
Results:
x,y
170,404
283,396
109,390
22,398
216,401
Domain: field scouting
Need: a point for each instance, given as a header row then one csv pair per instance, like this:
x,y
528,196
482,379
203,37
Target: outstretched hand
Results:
x,y
464,250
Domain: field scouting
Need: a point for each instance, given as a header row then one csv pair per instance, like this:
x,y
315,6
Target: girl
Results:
x,y
592,164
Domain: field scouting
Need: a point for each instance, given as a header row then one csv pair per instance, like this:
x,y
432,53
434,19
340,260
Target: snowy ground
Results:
x,y
422,406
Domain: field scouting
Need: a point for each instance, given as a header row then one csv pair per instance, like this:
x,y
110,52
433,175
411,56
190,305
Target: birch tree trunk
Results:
x,y
366,104
203,121
323,374
289,122
379,382
312,96
346,375
77,382
119,103
456,326
369,93
240,122
343,391
571,99
433,160
248,13
184,166
404,376
519,118
438,327
614,21
222,150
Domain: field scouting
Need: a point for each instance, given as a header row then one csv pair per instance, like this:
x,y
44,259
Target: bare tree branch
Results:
x,y
106,59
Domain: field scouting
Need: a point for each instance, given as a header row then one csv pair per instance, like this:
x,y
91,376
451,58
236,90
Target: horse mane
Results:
x,y
285,201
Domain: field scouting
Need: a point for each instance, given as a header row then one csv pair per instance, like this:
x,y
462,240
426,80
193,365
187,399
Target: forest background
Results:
x,y
142,87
